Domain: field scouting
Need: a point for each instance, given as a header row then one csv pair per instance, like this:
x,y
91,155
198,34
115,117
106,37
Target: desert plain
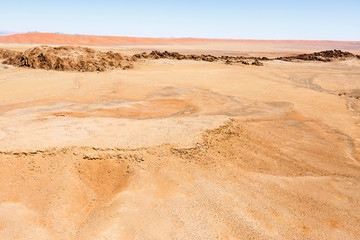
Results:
x,y
181,149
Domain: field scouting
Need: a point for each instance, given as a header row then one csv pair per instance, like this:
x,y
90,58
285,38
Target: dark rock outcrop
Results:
x,y
324,56
257,63
68,58
207,58
4,53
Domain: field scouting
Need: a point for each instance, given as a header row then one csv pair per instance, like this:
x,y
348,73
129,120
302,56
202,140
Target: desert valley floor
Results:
x,y
182,149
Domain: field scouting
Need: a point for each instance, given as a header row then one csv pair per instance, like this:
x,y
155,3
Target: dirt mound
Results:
x,y
324,56
67,58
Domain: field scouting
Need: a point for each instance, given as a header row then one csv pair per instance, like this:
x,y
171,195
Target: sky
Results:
x,y
231,19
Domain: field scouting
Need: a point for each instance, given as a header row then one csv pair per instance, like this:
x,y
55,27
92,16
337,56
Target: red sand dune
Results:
x,y
87,40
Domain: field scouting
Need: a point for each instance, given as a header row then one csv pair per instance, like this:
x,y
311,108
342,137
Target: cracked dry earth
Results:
x,y
181,150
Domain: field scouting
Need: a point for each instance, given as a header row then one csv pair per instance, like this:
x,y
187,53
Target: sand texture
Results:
x,y
184,149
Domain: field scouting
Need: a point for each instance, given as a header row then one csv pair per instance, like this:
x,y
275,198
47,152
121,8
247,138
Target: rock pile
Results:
x,y
4,53
207,58
324,56
68,58
257,63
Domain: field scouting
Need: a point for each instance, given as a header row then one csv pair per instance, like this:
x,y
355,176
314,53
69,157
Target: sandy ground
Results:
x,y
181,150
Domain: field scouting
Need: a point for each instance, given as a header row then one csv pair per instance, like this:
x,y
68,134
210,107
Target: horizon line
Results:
x,y
195,38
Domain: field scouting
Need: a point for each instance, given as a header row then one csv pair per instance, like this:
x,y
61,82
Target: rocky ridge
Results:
x,y
323,56
83,59
67,58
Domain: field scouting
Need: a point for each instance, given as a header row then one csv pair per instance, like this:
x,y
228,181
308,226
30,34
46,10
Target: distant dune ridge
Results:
x,y
88,40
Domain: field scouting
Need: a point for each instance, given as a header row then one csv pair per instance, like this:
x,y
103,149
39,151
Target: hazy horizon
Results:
x,y
263,20
6,33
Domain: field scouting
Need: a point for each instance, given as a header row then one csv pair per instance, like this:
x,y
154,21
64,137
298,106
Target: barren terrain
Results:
x,y
184,149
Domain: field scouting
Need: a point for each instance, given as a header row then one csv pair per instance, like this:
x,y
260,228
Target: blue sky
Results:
x,y
251,19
